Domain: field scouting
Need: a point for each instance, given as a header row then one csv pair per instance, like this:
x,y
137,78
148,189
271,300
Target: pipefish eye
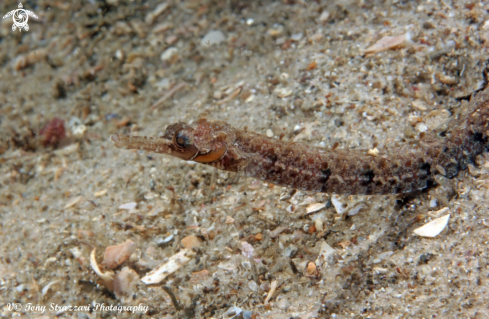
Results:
x,y
181,140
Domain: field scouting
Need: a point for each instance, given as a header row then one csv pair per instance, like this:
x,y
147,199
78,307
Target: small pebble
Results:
x,y
282,92
324,16
290,251
311,270
296,37
125,283
253,286
373,152
276,30
213,37
319,225
191,241
419,105
229,220
433,202
355,210
100,193
119,55
421,127
117,254
169,54
247,249
128,206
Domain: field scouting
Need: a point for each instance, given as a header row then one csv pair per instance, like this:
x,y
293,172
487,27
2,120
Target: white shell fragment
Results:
x,y
79,130
48,286
73,202
337,204
232,312
283,92
107,277
355,210
324,16
432,228
150,17
388,42
174,263
319,225
100,193
273,287
326,253
315,207
169,54
128,206
247,249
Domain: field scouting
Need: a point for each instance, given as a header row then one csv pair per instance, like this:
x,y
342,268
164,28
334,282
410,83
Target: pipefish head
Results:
x,y
203,141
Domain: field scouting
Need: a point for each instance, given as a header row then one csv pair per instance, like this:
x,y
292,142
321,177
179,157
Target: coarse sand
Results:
x,y
350,74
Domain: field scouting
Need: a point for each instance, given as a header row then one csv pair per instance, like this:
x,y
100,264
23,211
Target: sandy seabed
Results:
x,y
301,70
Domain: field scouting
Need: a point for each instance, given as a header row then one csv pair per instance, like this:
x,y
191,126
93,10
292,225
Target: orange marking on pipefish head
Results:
x,y
211,156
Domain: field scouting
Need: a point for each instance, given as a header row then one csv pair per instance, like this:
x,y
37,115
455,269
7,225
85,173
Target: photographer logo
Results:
x,y
20,17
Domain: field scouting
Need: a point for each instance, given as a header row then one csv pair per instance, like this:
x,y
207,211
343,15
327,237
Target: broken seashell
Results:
x,y
432,228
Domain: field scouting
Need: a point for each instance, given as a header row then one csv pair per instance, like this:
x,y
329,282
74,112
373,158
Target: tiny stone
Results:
x,y
191,241
324,16
283,303
373,152
433,203
296,37
417,104
128,206
213,37
276,30
119,55
290,251
428,25
253,286
169,54
283,92
421,127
